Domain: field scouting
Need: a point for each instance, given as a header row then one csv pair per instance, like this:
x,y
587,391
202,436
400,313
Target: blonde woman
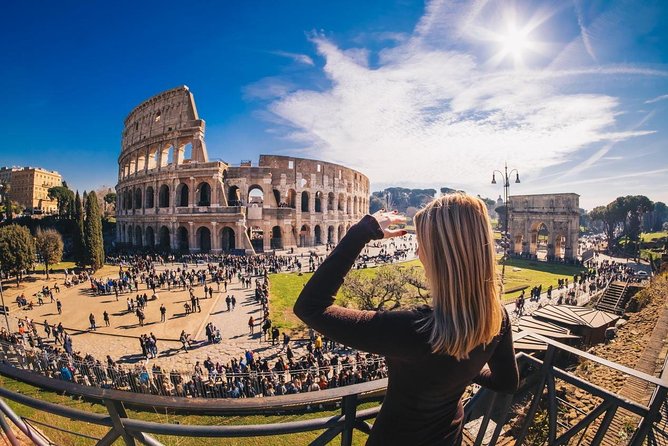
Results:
x,y
433,352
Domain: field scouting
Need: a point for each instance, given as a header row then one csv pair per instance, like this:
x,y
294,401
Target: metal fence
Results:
x,y
487,413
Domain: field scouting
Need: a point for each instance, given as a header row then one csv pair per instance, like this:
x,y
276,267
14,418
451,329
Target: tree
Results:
x,y
391,287
375,204
17,250
78,244
49,246
63,196
93,233
5,188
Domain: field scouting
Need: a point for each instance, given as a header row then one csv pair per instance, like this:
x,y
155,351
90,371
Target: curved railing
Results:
x,y
538,383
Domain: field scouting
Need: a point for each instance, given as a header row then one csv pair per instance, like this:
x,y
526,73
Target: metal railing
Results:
x,y
537,392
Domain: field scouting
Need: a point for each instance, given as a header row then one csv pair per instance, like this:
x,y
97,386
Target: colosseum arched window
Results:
x,y
330,201
138,237
318,202
163,196
317,231
292,199
305,200
203,239
233,198
149,197
137,204
203,194
276,241
164,238
149,237
182,243
182,195
255,195
227,238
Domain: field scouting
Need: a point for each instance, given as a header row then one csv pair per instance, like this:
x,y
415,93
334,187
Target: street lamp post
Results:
x,y
505,176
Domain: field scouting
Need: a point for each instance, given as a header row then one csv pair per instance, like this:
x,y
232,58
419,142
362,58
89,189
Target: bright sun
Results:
x,y
514,43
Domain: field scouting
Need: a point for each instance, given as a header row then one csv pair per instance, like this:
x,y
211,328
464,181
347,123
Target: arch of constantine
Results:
x,y
170,196
551,221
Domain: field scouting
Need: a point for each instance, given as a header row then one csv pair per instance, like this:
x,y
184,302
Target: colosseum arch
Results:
x,y
233,196
149,237
228,239
291,199
182,195
137,201
149,197
138,237
318,202
305,236
317,235
164,237
182,242
203,194
255,194
305,201
130,233
203,235
342,232
276,241
330,201
547,223
330,234
163,196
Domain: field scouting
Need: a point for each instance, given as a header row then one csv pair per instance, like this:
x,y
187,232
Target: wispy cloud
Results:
x,y
299,58
439,115
663,97
584,33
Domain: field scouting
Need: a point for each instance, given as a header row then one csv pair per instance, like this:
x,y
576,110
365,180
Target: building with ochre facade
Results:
x,y
170,196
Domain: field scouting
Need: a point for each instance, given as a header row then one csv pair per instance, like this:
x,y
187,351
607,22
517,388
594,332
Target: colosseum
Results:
x,y
170,196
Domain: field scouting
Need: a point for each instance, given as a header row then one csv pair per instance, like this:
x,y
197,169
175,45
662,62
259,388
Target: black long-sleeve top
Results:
x,y
422,405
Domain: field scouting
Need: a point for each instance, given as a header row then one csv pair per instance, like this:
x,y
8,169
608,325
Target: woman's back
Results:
x,y
432,353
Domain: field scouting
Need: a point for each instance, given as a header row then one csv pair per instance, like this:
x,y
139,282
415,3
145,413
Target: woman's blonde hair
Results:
x,y
456,246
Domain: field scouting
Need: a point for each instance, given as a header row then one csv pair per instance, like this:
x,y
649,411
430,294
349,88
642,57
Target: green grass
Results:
x,y
532,273
650,236
99,431
58,267
284,287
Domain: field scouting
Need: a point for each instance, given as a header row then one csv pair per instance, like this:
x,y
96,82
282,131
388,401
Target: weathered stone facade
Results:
x,y
557,214
170,196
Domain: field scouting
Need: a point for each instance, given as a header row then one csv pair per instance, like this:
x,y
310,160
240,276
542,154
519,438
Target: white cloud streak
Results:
x,y
299,58
663,97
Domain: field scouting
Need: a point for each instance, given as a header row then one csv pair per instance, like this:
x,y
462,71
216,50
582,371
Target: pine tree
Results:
x,y
78,244
93,233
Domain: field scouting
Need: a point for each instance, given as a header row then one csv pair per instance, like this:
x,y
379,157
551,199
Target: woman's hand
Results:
x,y
387,219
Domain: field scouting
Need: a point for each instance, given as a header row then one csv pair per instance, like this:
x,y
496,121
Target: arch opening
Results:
x,y
203,193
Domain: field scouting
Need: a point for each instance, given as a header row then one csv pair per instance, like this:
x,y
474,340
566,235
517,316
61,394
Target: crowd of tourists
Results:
x,y
247,377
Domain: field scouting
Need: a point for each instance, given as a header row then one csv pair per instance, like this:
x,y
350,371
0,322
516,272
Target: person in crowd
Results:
x,y
444,346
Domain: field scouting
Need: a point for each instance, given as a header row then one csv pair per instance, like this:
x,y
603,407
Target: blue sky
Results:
x,y
572,93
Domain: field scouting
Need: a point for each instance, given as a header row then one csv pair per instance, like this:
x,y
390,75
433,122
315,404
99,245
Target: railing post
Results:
x,y
8,430
349,411
652,416
117,412
528,420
